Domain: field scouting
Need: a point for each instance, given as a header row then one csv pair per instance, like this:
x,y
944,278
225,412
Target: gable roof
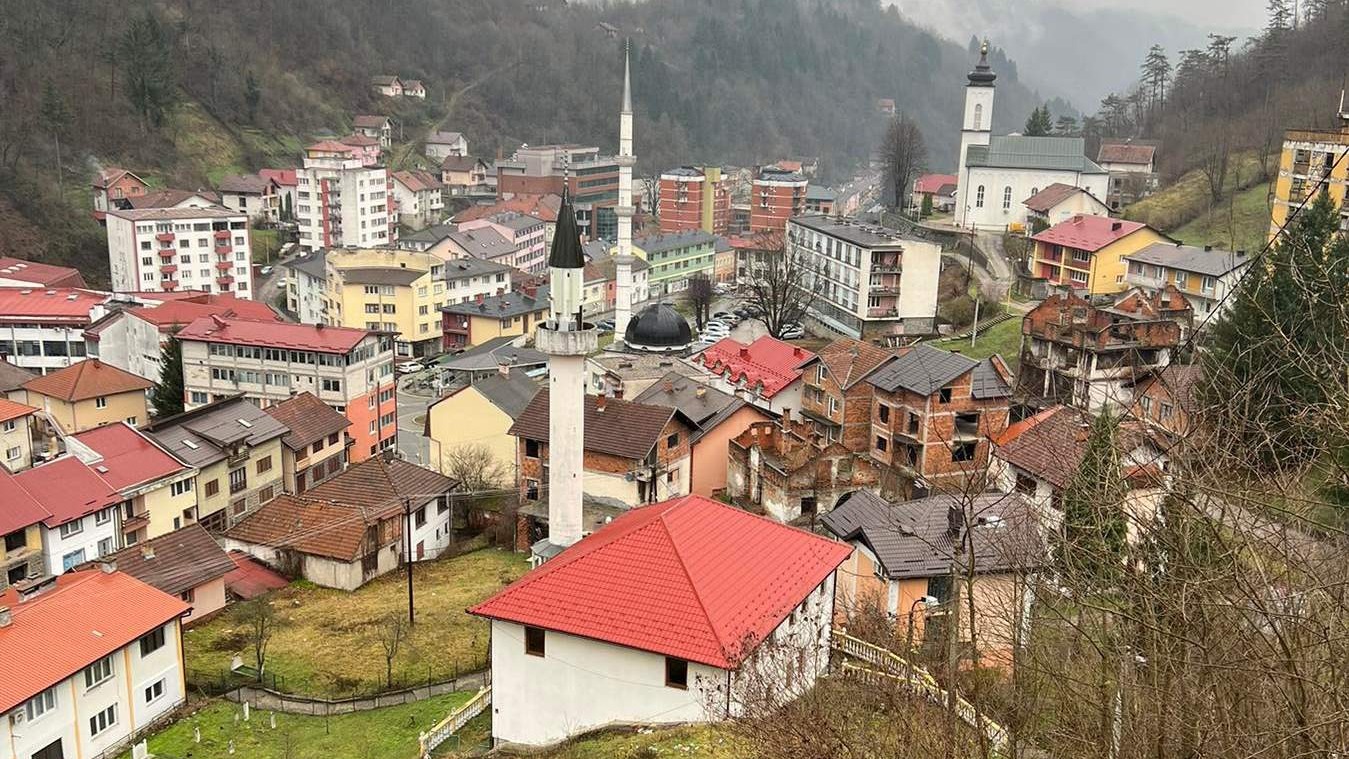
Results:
x,y
309,525
1125,152
511,393
461,163
307,419
933,183
369,121
849,361
690,578
379,485
921,369
626,429
129,459
13,409
1090,233
417,181
1040,153
482,242
169,198
251,578
1190,258
67,489
90,378
21,509
13,377
539,206
45,275
705,406
109,176
1049,445
501,306
179,313
768,364
282,177
249,184
1045,200
86,616
444,138
914,539
201,436
494,352
177,561
314,337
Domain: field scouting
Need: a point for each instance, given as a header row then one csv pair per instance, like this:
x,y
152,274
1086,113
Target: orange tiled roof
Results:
x,y
87,379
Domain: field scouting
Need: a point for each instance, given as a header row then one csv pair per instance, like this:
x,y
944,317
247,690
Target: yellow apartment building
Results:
x,y
1088,253
1309,156
392,290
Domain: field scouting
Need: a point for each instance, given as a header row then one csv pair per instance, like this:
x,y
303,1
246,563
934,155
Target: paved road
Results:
x,y
411,409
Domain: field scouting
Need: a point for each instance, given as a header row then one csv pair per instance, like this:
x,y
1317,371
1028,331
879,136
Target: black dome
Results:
x,y
658,327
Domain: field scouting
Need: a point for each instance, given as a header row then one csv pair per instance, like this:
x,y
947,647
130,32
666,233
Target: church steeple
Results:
x,y
982,75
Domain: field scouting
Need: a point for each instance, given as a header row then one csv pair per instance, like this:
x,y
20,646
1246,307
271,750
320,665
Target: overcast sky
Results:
x,y
1202,13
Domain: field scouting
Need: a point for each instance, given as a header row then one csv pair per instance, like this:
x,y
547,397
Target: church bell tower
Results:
x,y
976,128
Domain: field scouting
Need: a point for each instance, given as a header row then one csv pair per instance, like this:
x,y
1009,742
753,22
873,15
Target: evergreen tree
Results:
x,y
167,396
1094,530
56,117
252,97
1039,122
926,209
1267,357
150,75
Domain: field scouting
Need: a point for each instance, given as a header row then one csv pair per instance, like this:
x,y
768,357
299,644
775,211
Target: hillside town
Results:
x,y
473,453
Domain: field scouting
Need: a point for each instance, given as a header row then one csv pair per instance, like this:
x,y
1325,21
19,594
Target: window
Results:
x,y
106,546
188,595
131,420
181,487
74,527
419,517
71,559
1006,198
212,488
676,673
944,395
152,641
883,413
41,703
101,402
265,464
1206,284
13,454
881,443
1181,279
978,116
672,441
198,397
103,720
154,691
979,197
332,440
963,451
103,516
1025,484
534,641
238,480
531,448
332,385
1164,412
9,426
1145,403
939,587
98,672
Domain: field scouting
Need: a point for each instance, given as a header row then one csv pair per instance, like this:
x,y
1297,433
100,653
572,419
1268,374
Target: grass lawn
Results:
x,y
702,741
330,641
389,733
1243,226
1003,339
1188,198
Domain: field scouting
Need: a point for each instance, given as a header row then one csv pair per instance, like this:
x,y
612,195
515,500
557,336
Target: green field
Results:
x,y
266,244
389,733
1003,339
1188,198
700,741
1242,224
330,641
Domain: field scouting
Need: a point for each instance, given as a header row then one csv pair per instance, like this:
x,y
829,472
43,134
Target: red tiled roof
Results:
x,y
217,329
930,183
328,146
359,140
169,198
13,410
183,312
380,486
50,304
46,275
539,206
20,509
690,577
1046,199
88,615
308,525
309,419
417,181
175,561
283,177
129,458
90,378
110,175
767,363
251,578
1090,233
67,489
368,121
849,361
1126,153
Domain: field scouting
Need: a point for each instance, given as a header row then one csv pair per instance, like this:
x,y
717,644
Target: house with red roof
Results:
x,y
16,272
158,491
77,508
286,183
1060,202
349,369
21,552
90,394
133,338
100,656
16,434
767,372
670,613
419,197
1087,253
113,186
940,187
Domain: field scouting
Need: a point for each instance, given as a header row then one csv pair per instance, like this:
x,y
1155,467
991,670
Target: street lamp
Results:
x,y
913,608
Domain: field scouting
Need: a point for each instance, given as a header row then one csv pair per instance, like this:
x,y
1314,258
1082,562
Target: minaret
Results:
x,y
976,129
624,210
566,339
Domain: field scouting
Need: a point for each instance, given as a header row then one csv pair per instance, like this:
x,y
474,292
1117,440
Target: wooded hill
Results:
x,y
188,90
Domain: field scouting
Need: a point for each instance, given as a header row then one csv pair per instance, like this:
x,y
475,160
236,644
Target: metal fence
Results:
x,y
455,721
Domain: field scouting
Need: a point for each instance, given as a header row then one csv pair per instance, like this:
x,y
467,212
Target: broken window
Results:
x,y
963,451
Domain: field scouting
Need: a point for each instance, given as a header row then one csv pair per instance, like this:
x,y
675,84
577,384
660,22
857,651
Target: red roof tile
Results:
x,y
930,183
307,525
1126,153
87,379
251,578
1090,233
13,410
539,206
1044,200
67,489
46,275
328,146
767,363
690,577
180,313
20,509
60,304
88,615
217,329
309,419
850,361
129,458
283,177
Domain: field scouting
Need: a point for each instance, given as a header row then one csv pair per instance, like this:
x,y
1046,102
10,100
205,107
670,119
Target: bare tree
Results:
x,y
393,631
699,295
904,153
651,195
781,286
261,623
474,467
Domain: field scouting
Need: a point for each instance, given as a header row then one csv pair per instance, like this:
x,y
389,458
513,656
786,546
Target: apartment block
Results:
x,y
591,178
170,249
339,200
776,195
1310,157
42,329
692,198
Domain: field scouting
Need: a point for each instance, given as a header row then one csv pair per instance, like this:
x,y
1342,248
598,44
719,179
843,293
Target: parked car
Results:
x,y
791,332
716,330
409,367
721,288
266,270
606,325
742,312
720,315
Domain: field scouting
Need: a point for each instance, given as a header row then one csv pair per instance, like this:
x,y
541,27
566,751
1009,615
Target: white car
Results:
x,y
409,367
716,331
791,332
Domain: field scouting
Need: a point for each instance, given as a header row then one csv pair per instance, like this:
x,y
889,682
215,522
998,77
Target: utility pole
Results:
x,y
974,329
407,521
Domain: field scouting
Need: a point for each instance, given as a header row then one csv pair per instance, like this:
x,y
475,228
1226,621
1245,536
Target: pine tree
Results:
x,y
1038,123
926,209
1094,530
252,97
56,117
150,76
167,397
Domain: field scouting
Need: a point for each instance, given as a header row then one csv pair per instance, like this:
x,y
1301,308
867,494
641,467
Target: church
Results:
x,y
995,175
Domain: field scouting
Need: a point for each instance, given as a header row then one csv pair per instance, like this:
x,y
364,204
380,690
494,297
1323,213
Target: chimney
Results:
x,y
797,352
478,298
504,368
600,402
669,386
147,552
1116,226
700,392
955,520
107,567
787,415
6,619
744,352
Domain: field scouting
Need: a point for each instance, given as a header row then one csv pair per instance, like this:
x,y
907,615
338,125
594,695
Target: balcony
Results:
x,y
168,284
886,269
164,237
132,524
223,248
166,252
224,265
883,289
222,234
882,313
224,280
168,268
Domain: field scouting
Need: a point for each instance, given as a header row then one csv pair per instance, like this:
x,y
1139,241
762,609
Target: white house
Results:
x,y
386,85
1060,202
605,634
42,329
253,194
99,657
996,174
419,197
443,144
74,530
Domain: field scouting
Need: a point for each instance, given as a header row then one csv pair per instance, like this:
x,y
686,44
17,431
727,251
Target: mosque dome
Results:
x,y
658,328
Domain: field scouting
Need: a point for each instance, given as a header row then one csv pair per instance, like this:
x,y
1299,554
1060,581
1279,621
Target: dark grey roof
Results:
x,y
982,75
596,510
511,394
516,220
381,275
462,268
922,369
684,171
658,326
1045,153
483,242
705,406
492,354
914,539
430,235
200,437
315,264
848,230
653,244
566,252
1190,258
816,192
504,305
12,377
988,383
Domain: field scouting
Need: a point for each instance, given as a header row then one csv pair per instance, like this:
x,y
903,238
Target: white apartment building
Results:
x,y
869,283
42,329
339,201
419,197
467,279
169,249
351,370
99,656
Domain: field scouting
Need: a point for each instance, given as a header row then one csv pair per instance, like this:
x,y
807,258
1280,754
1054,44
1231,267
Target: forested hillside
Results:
x,y
188,90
